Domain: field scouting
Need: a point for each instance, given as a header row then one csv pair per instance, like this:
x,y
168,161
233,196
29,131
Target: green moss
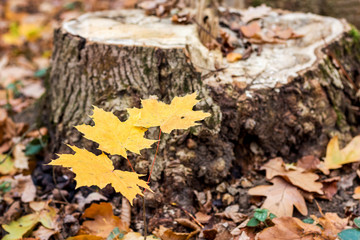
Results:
x,y
339,117
186,87
355,34
256,3
146,70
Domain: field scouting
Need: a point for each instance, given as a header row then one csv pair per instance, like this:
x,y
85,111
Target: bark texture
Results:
x,y
248,124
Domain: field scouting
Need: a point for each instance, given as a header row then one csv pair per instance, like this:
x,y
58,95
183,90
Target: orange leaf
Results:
x,y
104,221
233,57
356,193
167,234
85,237
98,170
250,30
280,198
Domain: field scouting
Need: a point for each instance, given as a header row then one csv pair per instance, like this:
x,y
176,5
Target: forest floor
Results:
x,y
36,204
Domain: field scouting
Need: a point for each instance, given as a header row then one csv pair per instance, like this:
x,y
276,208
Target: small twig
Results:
x,y
144,217
206,31
342,69
188,213
61,202
153,163
40,138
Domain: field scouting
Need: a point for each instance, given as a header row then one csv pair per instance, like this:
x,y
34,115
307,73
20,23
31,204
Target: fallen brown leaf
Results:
x,y
202,217
8,130
12,213
308,163
332,224
299,178
167,234
24,188
104,220
280,197
235,216
85,237
21,161
95,196
44,233
37,133
250,30
290,228
330,187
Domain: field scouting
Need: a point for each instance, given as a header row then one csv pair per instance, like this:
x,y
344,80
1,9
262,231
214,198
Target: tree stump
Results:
x,y
287,100
348,9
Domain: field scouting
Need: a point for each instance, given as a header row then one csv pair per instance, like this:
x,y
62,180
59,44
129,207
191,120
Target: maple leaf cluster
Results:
x,y
116,137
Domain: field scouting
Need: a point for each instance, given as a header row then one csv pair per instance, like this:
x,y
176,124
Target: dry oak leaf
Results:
x,y
98,170
176,115
332,224
335,157
167,234
280,197
287,228
104,221
330,187
309,163
114,136
297,176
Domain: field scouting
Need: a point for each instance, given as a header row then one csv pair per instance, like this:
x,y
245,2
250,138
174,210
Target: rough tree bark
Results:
x,y
287,101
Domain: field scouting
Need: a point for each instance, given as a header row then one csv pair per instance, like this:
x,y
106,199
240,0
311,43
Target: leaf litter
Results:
x,y
21,84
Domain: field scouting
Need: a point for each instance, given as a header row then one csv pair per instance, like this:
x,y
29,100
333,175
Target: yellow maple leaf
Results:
x,y
114,136
335,157
177,115
98,170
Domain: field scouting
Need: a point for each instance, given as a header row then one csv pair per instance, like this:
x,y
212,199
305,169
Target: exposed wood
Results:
x,y
348,9
287,101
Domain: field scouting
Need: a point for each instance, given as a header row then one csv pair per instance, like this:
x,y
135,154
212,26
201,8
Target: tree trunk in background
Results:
x,y
348,9
287,101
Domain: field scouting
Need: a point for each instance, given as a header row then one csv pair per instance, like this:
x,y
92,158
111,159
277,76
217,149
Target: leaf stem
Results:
x,y
153,163
152,167
144,216
130,164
